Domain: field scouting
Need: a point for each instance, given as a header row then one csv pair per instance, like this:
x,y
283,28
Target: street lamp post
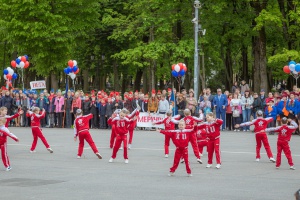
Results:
x,y
196,59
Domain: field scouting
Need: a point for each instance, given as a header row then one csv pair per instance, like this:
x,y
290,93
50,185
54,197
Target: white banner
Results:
x,y
146,119
38,85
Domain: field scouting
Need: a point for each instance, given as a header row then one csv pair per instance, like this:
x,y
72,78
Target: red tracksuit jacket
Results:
x,y
179,137
169,125
260,124
4,132
35,118
121,125
213,129
82,123
284,131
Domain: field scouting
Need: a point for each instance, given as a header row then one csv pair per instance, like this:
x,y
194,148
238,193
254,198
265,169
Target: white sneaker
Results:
x,y
292,167
190,175
244,130
201,154
8,168
199,161
78,157
234,130
182,161
121,148
166,156
98,155
257,159
277,167
32,151
129,146
111,160
218,166
208,166
171,174
272,160
238,130
50,150
126,161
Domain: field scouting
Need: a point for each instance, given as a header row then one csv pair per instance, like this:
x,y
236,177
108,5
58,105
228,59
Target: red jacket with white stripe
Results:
x,y
189,121
4,132
213,129
121,125
180,138
260,124
284,131
35,118
9,118
82,123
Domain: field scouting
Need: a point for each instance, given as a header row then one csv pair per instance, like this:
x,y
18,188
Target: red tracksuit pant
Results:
x,y
285,147
181,153
193,141
262,138
131,128
201,145
112,137
167,144
214,146
4,155
119,140
87,137
37,133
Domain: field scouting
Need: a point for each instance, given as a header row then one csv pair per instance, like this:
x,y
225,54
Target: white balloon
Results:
x,y
10,71
292,67
75,63
177,68
20,57
18,66
4,77
294,72
72,75
22,64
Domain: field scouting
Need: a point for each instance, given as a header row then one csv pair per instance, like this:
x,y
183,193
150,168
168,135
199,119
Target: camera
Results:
x,y
197,4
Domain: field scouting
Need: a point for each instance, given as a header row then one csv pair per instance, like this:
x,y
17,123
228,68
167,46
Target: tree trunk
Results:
x,y
245,71
54,82
85,74
138,79
116,77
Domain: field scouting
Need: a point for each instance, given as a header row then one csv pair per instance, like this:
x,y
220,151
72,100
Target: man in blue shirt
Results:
x,y
220,102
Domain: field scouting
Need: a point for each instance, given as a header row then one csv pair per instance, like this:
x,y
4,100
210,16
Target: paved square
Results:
x,y
61,175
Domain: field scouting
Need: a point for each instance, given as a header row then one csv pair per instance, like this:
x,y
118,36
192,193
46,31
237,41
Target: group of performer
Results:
x,y
190,130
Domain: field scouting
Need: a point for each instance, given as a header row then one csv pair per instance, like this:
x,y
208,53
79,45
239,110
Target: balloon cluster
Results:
x,y
72,69
293,67
20,62
179,70
9,74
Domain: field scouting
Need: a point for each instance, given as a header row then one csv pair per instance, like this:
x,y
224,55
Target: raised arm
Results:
x,y
6,132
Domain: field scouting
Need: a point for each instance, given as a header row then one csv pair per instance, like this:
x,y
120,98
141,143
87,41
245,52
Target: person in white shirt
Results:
x,y
163,105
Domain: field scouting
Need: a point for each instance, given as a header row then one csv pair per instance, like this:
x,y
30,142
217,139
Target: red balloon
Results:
x,y
173,67
70,63
286,69
8,76
76,71
184,67
181,66
26,64
13,64
23,58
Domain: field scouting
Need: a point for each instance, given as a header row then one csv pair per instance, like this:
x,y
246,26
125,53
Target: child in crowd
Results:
x,y
102,114
169,125
284,136
271,111
181,140
260,125
213,126
81,129
121,124
4,132
36,130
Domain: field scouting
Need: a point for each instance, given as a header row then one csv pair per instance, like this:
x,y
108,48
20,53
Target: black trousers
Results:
x,y
59,117
229,121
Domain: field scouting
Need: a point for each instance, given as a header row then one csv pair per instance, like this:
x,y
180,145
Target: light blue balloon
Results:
x,y
292,62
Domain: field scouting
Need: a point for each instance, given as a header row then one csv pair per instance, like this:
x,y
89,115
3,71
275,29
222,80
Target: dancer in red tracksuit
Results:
x,y
113,130
202,140
213,126
3,113
260,125
181,140
35,128
169,125
121,124
81,129
4,132
132,126
190,123
284,136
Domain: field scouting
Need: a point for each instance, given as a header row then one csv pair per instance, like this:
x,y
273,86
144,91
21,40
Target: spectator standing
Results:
x,y
59,108
191,102
229,113
220,102
163,105
236,108
244,87
246,102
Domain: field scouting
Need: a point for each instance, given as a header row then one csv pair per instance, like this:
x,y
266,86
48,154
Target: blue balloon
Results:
x,y
292,62
181,73
66,71
174,73
5,71
18,61
15,76
75,68
297,67
69,70
26,57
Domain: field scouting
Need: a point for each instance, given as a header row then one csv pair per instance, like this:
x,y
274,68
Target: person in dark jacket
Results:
x,y
94,111
117,104
109,109
68,107
42,102
51,108
86,105
7,101
257,105
102,114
